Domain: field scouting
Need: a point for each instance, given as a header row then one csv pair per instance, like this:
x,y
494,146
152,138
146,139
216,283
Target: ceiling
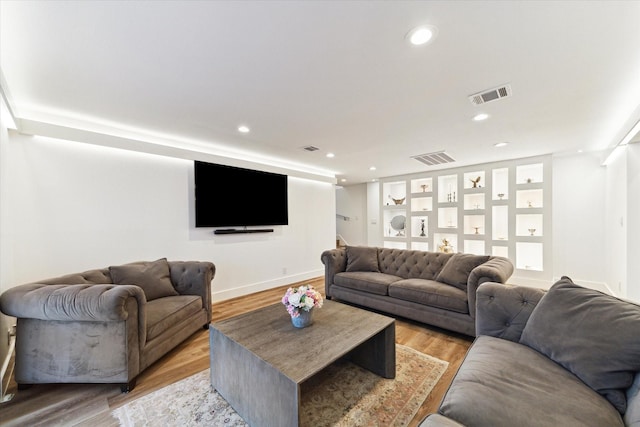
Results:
x,y
337,75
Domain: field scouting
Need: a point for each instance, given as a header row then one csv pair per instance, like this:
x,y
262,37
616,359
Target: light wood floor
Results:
x,y
91,405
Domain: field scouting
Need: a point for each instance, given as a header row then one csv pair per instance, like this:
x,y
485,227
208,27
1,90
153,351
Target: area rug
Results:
x,y
341,395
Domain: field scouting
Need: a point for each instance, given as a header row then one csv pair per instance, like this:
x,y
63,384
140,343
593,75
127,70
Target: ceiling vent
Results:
x,y
310,148
491,95
433,159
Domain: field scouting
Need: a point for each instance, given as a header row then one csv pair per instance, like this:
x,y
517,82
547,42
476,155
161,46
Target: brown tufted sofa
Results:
x,y
106,325
431,287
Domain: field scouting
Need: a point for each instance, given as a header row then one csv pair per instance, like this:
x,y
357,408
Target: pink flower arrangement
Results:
x,y
304,298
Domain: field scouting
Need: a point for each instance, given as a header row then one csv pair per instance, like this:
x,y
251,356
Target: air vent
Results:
x,y
432,159
490,95
310,148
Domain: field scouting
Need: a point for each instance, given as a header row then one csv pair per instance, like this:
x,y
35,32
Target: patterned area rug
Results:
x,y
342,395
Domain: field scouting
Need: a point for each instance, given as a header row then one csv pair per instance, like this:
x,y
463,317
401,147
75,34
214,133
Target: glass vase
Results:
x,y
304,319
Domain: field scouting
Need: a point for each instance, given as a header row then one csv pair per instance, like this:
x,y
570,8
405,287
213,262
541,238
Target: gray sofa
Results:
x,y
568,357
106,325
431,287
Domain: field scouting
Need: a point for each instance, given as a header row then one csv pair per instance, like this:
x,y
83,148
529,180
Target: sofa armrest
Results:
x,y
497,270
335,261
84,302
194,278
503,310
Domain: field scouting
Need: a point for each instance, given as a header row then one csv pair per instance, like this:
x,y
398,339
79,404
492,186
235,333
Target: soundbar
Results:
x,y
236,231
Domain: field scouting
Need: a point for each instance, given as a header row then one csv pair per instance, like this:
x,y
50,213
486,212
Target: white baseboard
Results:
x,y
239,291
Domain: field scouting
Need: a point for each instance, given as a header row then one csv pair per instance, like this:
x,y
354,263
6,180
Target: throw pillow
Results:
x,y
362,258
591,334
153,277
457,269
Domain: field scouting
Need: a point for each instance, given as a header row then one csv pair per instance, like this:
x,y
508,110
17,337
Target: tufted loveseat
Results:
x,y
431,287
106,325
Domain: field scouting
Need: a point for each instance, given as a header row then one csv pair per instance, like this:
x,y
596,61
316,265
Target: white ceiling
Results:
x,y
337,75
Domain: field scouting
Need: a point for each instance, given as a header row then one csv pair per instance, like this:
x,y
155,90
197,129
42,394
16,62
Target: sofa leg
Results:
x,y
127,387
24,386
205,327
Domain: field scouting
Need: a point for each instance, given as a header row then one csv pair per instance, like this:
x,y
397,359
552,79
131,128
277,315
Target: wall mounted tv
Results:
x,y
228,196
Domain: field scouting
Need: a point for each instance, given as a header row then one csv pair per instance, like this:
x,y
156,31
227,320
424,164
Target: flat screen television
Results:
x,y
228,196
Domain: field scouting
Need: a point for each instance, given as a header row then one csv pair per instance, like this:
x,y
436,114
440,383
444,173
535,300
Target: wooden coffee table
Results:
x,y
259,360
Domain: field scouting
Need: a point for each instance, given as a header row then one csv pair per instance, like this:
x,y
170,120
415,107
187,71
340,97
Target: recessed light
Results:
x,y
372,168
343,180
480,117
330,155
421,35
500,144
580,151
243,129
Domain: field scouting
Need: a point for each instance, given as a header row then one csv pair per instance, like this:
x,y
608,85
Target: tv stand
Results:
x,y
242,231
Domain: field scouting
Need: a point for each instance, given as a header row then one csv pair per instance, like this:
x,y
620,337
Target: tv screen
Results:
x,y
228,196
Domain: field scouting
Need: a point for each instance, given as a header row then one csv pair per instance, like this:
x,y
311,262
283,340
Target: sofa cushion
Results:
x,y
430,292
375,283
456,271
591,334
362,258
153,277
162,313
502,383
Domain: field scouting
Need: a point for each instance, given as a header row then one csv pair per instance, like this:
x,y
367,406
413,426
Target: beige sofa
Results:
x,y
431,287
106,325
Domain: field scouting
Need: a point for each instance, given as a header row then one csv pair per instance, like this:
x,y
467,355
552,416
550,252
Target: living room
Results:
x,y
83,187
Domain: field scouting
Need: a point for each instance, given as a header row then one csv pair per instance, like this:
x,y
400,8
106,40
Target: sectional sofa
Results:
x,y
431,287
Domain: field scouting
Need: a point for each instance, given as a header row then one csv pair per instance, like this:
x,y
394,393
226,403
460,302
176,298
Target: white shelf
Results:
x,y
474,201
529,174
493,215
474,180
394,244
421,204
421,185
395,193
476,247
448,217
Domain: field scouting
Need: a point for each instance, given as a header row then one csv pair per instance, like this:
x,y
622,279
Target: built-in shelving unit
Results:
x,y
500,208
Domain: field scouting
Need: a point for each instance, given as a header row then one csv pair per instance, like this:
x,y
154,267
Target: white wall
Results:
x,y
351,202
578,211
5,253
633,222
615,202
361,203
77,206
374,228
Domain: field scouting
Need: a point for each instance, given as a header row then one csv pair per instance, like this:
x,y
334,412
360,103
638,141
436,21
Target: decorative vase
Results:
x,y
445,247
304,319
